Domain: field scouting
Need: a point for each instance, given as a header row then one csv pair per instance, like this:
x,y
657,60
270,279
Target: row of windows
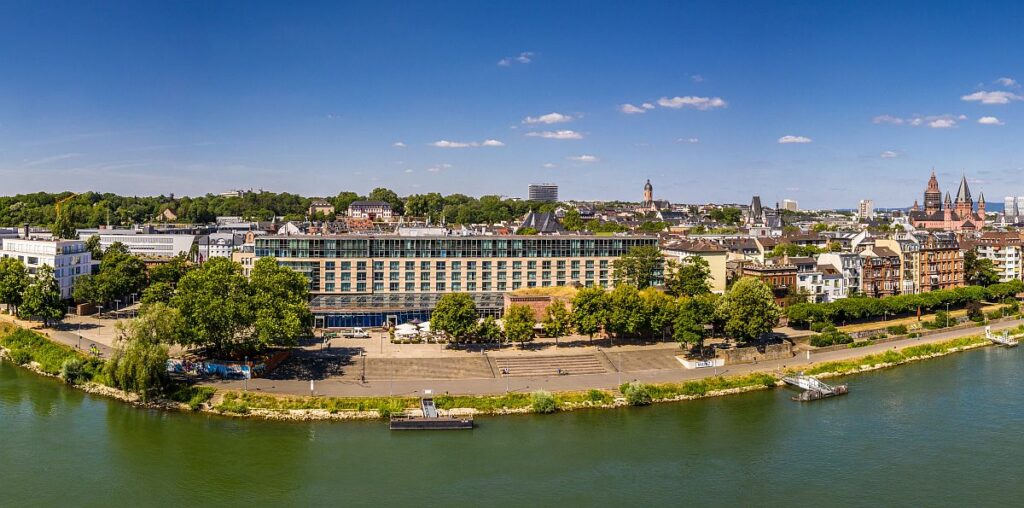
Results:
x,y
361,287
458,276
458,265
487,247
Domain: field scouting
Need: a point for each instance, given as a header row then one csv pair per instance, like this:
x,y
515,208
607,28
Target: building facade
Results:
x,y
1004,249
68,258
882,275
941,262
146,245
373,210
945,214
547,192
780,278
715,255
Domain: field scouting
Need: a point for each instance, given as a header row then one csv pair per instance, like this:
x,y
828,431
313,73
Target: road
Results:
x,y
344,387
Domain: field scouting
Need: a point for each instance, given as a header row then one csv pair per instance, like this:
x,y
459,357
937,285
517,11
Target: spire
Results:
x,y
648,185
963,195
948,202
981,198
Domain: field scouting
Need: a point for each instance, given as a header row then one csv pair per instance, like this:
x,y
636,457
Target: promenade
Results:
x,y
397,375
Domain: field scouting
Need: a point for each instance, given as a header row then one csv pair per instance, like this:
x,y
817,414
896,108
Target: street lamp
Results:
x,y
947,315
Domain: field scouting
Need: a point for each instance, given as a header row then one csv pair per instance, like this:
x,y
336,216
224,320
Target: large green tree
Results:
x,y
13,281
139,363
638,267
625,315
589,310
693,316
556,321
389,196
41,298
170,272
519,322
659,313
748,309
279,304
979,271
455,315
689,277
216,306
488,330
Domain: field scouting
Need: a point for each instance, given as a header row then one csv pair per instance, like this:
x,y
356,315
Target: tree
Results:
x,y
728,215
689,277
488,330
139,363
13,281
157,292
692,316
638,267
625,311
279,305
659,313
572,220
556,321
589,310
979,272
62,227
389,196
92,244
41,299
455,315
120,275
170,272
215,306
519,322
749,309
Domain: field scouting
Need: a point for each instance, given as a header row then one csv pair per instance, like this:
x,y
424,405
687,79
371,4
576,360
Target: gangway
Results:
x,y
427,405
430,419
813,388
1002,340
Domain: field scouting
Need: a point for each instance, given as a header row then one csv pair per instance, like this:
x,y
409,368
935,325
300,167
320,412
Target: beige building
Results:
x,y
714,254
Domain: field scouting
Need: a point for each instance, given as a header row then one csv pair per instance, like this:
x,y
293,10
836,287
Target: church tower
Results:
x,y
932,196
648,193
964,201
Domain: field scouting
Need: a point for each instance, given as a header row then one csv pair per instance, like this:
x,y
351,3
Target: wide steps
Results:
x,y
522,366
421,368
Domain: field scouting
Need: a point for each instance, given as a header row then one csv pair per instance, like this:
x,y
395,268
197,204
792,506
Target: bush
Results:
x,y
20,357
543,402
598,396
897,330
637,394
73,371
974,312
193,396
820,326
830,337
994,314
913,335
861,343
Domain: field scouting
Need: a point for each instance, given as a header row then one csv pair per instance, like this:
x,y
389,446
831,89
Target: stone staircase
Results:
x,y
519,366
421,368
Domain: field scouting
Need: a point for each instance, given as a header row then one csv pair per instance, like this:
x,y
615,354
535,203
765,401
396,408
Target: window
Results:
x,y
471,276
439,286
361,276
361,287
439,276
501,275
471,286
575,275
531,265
590,264
485,275
424,265
424,275
576,265
456,265
456,276
517,275
393,276
456,286
378,265
502,286
346,276
346,287
378,286
346,265
561,264
516,285
487,286
502,265
329,265
531,275
470,265
410,276
393,286
486,265
378,276
410,265
517,265
360,265
439,265
410,286
424,286
545,275
546,264
560,274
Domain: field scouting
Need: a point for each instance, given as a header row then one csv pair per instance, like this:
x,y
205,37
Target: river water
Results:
x,y
945,432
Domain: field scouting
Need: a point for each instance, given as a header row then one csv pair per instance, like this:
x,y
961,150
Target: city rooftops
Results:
x,y
394,236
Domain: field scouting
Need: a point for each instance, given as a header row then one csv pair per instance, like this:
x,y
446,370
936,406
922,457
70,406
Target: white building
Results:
x,y
849,264
790,205
149,245
866,209
68,258
372,210
218,245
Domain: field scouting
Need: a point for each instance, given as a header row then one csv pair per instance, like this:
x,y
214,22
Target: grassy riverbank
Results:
x,y
34,350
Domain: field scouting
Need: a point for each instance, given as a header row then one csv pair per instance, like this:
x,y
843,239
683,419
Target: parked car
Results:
x,y
356,333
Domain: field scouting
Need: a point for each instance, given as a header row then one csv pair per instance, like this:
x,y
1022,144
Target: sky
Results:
x,y
826,103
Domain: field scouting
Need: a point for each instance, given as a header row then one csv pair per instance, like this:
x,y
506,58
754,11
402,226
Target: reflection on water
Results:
x,y
936,433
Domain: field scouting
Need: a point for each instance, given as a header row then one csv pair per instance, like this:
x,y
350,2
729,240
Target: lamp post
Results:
x,y
947,315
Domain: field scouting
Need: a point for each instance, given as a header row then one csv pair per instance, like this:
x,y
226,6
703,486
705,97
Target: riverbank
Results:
x,y
44,357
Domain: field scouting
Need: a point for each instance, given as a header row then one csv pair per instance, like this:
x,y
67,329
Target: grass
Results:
x,y
907,321
192,395
565,292
702,387
893,356
26,346
243,402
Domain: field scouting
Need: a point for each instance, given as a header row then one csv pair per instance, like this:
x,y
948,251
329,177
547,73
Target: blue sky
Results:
x,y
196,97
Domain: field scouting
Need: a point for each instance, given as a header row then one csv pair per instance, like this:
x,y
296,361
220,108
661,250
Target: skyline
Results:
x,y
823,104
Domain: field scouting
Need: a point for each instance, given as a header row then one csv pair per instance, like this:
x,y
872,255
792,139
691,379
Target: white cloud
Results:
x,y
697,78
444,143
990,120
998,97
890,154
408,171
630,109
398,144
437,168
51,159
549,118
584,158
785,140
565,134
945,121
524,58
647,105
548,165
1008,82
701,103
688,141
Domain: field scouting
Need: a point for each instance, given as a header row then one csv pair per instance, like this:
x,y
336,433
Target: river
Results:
x,y
943,432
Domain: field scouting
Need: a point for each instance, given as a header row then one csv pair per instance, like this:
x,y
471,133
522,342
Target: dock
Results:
x,y
1003,340
430,420
813,388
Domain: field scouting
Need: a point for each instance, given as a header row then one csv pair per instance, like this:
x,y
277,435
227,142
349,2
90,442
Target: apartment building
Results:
x,y
942,261
404,276
68,258
781,278
882,275
1003,248
850,265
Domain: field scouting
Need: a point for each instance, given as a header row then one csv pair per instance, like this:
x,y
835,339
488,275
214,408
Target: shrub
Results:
x,y
598,396
878,336
193,396
830,337
861,343
819,326
974,312
543,402
20,357
637,394
995,314
73,371
913,335
897,329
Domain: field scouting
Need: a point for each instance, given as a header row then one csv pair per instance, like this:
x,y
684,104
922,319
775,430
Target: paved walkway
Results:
x,y
349,386
77,332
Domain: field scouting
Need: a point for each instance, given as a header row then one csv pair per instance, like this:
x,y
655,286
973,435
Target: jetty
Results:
x,y
430,419
1003,340
813,388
